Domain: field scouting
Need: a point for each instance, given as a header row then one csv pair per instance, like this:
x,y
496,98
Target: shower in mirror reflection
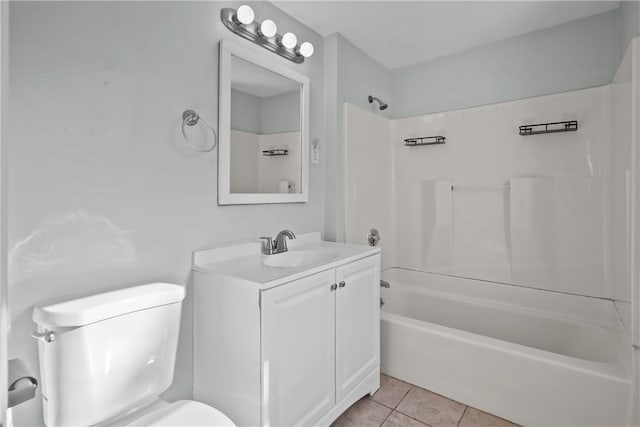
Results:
x,y
383,105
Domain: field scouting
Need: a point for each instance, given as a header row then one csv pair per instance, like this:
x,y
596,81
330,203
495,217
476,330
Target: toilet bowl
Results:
x,y
186,413
105,359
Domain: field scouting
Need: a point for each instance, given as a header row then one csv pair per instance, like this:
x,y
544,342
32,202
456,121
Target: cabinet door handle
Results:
x,y
334,287
343,284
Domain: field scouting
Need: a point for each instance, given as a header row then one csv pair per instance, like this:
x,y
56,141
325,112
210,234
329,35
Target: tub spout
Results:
x,y
384,284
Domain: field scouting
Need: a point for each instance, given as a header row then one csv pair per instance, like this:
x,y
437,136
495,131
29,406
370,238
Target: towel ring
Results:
x,y
191,118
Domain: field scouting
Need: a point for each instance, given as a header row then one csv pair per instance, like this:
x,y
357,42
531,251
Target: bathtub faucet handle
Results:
x,y
384,284
373,237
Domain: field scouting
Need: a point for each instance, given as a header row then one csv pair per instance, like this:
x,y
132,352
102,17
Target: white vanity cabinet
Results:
x,y
298,350
357,343
295,354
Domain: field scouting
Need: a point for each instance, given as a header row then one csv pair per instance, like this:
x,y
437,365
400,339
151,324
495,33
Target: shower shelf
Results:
x,y
567,126
424,140
275,152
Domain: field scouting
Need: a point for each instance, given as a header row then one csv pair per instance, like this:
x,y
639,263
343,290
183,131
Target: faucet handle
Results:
x,y
267,247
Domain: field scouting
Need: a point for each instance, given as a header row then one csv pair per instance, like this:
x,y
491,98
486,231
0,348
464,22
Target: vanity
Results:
x,y
290,339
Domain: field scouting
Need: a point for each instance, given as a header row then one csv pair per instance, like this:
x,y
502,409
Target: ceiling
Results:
x,y
257,81
401,33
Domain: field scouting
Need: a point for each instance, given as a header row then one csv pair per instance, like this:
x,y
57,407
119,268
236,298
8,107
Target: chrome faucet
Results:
x,y
277,245
281,240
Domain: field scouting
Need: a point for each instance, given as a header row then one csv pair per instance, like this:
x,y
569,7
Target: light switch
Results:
x,y
315,152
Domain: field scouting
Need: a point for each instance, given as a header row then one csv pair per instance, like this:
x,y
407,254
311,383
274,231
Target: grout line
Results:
x,y
386,418
463,412
412,386
403,396
379,403
400,401
413,418
373,400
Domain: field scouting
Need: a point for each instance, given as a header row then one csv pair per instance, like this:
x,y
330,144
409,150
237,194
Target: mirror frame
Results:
x,y
225,197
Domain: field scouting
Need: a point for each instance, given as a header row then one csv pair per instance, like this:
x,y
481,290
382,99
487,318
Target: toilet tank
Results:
x,y
112,352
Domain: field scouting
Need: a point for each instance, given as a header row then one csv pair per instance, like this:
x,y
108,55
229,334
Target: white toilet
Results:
x,y
105,359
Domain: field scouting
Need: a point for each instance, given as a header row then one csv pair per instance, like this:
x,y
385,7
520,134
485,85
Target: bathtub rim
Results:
x,y
611,371
619,369
617,325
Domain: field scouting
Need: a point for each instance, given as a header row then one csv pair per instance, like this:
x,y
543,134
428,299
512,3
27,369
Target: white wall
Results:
x,y
270,114
245,152
574,55
273,169
4,306
351,76
104,191
252,172
527,210
625,184
369,178
533,211
629,76
618,170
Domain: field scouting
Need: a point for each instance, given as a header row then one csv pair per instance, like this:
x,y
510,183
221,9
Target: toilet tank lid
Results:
x,y
94,308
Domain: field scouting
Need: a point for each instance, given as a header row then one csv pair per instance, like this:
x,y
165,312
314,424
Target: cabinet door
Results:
x,y
357,323
298,351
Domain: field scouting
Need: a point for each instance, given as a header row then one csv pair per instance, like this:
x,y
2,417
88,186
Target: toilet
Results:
x,y
105,359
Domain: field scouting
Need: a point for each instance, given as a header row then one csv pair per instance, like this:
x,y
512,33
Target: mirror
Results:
x,y
263,130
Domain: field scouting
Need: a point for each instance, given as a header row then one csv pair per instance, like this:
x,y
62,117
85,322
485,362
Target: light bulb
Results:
x,y
289,40
268,28
245,14
306,49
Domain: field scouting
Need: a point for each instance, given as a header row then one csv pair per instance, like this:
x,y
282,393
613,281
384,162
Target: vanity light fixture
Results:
x,y
242,22
268,28
244,15
306,49
289,40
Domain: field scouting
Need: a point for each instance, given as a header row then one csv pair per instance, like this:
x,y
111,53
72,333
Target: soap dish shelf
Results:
x,y
275,152
424,140
553,127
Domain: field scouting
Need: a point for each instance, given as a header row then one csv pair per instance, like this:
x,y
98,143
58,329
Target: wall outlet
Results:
x,y
315,152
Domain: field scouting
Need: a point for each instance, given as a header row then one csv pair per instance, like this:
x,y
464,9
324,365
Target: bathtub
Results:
x,y
534,357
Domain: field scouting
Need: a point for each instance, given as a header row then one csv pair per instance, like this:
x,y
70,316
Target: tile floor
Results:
x,y
400,404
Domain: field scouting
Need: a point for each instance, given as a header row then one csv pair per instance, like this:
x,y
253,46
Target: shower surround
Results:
x,y
548,212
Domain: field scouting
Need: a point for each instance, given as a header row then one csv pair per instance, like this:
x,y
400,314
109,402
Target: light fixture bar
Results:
x,y
252,32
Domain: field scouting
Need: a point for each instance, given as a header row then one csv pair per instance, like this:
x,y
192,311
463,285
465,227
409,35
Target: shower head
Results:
x,y
383,105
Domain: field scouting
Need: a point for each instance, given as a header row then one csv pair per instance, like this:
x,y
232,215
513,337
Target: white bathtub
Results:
x,y
535,357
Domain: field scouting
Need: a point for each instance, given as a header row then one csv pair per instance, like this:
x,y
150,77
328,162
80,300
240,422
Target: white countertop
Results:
x,y
245,261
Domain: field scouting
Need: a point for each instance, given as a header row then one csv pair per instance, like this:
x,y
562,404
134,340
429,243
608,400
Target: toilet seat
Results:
x,y
184,413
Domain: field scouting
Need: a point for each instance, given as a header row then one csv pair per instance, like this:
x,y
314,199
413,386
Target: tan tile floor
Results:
x,y
400,404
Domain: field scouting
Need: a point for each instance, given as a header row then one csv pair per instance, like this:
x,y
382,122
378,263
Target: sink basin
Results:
x,y
298,258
